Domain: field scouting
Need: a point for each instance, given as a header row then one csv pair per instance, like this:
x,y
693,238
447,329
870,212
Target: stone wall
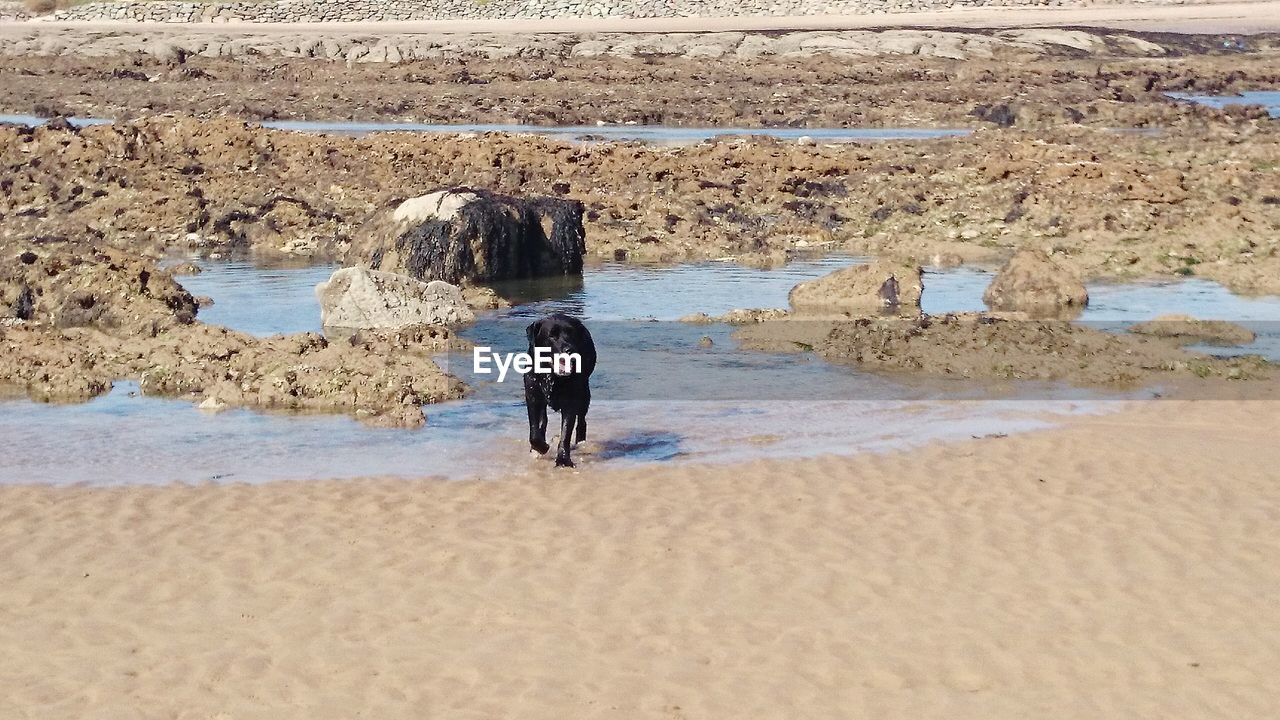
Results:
x,y
383,10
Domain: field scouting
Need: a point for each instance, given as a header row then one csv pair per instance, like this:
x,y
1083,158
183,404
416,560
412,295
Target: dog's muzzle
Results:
x,y
562,365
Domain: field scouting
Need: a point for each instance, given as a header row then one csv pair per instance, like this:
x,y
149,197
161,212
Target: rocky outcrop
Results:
x,y
50,284
861,289
279,223
159,184
371,299
464,235
75,320
13,11
381,378
990,346
1032,282
1187,329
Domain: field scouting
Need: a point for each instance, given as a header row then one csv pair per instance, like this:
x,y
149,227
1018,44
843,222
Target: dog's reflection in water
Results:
x,y
641,445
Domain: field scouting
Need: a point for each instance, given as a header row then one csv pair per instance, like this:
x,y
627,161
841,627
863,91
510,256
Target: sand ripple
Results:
x,y
1123,567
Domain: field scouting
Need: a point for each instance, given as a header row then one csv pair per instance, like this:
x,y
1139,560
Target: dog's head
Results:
x,y
563,336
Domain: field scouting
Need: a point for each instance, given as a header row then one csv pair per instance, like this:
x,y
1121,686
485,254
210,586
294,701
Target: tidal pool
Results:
x,y
1270,99
650,134
661,395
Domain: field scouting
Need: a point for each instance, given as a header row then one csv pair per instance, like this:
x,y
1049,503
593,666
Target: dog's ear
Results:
x,y
531,332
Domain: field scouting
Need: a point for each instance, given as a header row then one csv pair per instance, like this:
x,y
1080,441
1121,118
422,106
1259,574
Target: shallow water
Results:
x,y
1116,306
1268,98
659,395
652,134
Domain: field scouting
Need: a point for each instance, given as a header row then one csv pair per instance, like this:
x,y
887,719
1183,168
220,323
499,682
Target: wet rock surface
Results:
x,y
55,283
736,317
1032,282
468,235
860,289
379,378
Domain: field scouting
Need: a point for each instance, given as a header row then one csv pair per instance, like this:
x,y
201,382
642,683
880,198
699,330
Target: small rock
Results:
x,y
212,404
1188,329
1034,283
861,289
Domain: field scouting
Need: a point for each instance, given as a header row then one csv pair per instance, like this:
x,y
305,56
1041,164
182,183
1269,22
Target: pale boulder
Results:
x,y
439,205
357,297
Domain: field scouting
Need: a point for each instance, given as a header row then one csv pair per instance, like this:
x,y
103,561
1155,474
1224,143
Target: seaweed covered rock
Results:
x,y
56,284
1031,282
465,235
361,298
861,289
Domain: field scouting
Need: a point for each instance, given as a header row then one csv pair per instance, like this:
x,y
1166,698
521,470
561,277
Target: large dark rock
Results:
x,y
465,235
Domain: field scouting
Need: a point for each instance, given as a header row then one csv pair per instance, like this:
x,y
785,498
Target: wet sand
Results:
x,y
1109,569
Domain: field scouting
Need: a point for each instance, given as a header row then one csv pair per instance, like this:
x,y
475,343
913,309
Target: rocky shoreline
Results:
x,y
76,316
86,213
1076,155
1102,203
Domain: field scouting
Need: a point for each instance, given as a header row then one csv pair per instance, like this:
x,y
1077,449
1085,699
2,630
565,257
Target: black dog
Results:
x,y
567,389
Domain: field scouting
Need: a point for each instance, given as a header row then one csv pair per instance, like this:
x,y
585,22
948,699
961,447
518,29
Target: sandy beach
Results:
x,y
1119,567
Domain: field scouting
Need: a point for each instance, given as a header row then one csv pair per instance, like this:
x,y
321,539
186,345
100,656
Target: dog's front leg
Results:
x,y
537,407
568,418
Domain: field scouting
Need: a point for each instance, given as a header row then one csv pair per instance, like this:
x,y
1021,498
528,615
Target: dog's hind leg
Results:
x,y
582,417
